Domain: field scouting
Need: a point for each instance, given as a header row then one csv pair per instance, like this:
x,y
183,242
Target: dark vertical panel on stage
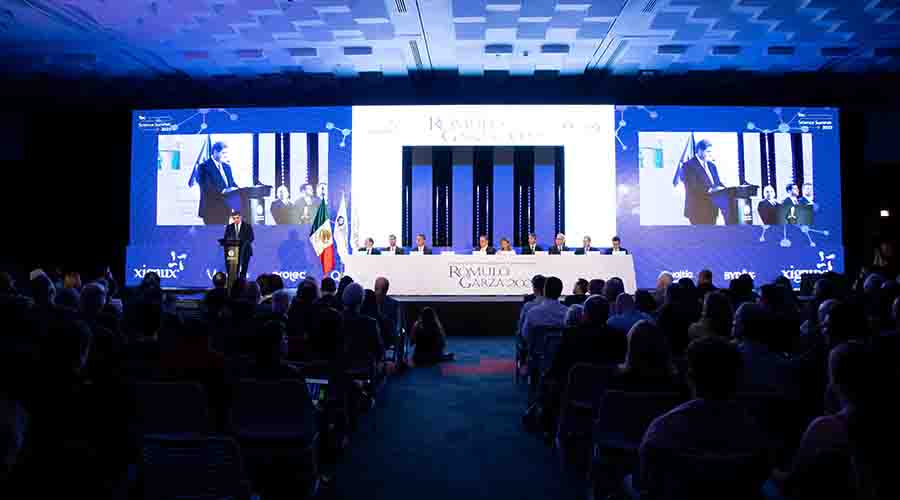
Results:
x,y
544,199
797,154
312,158
560,189
503,195
523,182
406,237
442,161
770,158
255,159
462,199
764,161
279,161
422,213
286,159
482,202
741,171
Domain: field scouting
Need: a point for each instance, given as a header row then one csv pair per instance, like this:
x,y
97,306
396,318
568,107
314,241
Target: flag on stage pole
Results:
x,y
321,238
686,156
341,236
354,229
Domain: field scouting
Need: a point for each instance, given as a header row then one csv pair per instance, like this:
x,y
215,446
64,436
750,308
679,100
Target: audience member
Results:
x,y
716,318
281,303
596,286
676,315
302,310
705,283
328,294
644,302
663,281
626,315
648,365
389,309
271,349
548,313
429,338
72,279
590,342
537,296
360,332
763,369
574,316
579,293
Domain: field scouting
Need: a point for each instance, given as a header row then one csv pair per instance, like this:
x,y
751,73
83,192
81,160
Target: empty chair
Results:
x,y
277,426
195,467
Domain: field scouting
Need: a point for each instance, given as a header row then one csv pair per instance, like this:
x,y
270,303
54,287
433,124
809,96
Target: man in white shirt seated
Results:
x,y
420,247
392,247
550,312
617,248
484,246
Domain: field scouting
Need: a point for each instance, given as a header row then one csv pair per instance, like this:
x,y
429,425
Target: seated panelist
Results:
x,y
370,249
420,247
617,248
392,247
505,247
531,247
559,245
586,247
484,246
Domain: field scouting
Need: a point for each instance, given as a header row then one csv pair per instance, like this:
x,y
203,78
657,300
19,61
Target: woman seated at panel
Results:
x,y
505,247
429,338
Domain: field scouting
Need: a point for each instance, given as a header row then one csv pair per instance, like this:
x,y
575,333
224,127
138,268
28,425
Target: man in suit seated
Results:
x,y
239,230
617,248
282,209
768,207
360,332
389,309
700,175
559,245
214,176
532,245
484,246
586,247
370,249
392,247
420,247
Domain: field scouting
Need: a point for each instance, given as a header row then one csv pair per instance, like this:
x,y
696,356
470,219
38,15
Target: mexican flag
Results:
x,y
321,238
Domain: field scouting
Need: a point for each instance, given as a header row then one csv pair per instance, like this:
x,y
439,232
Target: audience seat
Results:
x,y
196,467
585,387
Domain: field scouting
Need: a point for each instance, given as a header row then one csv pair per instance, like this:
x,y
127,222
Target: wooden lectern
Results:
x,y
232,260
249,201
734,202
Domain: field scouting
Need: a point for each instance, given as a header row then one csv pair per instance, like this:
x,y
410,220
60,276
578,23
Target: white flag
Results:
x,y
341,233
354,229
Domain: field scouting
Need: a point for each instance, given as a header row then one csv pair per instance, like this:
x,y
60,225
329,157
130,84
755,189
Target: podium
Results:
x,y
250,201
734,202
232,259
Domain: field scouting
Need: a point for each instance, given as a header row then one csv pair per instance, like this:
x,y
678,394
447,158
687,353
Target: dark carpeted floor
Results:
x,y
452,431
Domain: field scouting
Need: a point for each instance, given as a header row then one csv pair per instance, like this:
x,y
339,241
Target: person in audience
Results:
x,y
429,338
328,294
302,311
192,356
716,318
275,283
43,293
826,443
251,294
68,298
763,369
644,302
705,282
532,245
596,286
272,347
549,313
662,284
589,342
712,422
360,332
389,310
626,315
574,316
648,365
579,293
536,295
675,317
281,304
741,290
613,288
779,301
342,285
72,279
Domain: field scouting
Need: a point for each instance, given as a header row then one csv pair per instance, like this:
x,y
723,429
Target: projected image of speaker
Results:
x,y
274,178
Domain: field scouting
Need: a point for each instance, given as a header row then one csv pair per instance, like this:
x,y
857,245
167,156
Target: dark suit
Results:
x,y
283,213
526,250
375,251
306,209
397,250
609,251
425,250
555,250
362,339
212,208
490,250
698,205
246,237
768,212
581,250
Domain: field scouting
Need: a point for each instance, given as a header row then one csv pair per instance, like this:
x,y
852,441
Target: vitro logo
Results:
x,y
169,271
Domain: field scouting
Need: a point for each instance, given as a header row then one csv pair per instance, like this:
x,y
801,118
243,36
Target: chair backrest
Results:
x,y
536,342
169,408
587,383
676,475
552,340
279,407
200,467
625,416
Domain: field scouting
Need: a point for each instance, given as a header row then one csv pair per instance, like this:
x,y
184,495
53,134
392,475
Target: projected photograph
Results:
x,y
280,178
726,178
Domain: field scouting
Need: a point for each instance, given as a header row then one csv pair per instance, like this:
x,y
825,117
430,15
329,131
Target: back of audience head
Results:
x,y
596,286
220,280
275,283
281,302
648,351
845,321
581,287
150,280
328,286
343,284
382,285
612,289
686,283
429,320
252,294
596,311
42,290
537,284
664,280
705,278
713,368
68,298
752,322
644,301
370,303
718,312
72,279
873,283
271,342
848,366
307,292
553,288
624,304
574,316
264,281
353,296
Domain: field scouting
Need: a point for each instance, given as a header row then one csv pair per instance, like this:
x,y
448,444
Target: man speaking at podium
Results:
x,y
214,176
237,230
700,175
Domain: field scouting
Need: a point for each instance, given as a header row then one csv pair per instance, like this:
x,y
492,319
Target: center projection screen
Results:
x,y
653,175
